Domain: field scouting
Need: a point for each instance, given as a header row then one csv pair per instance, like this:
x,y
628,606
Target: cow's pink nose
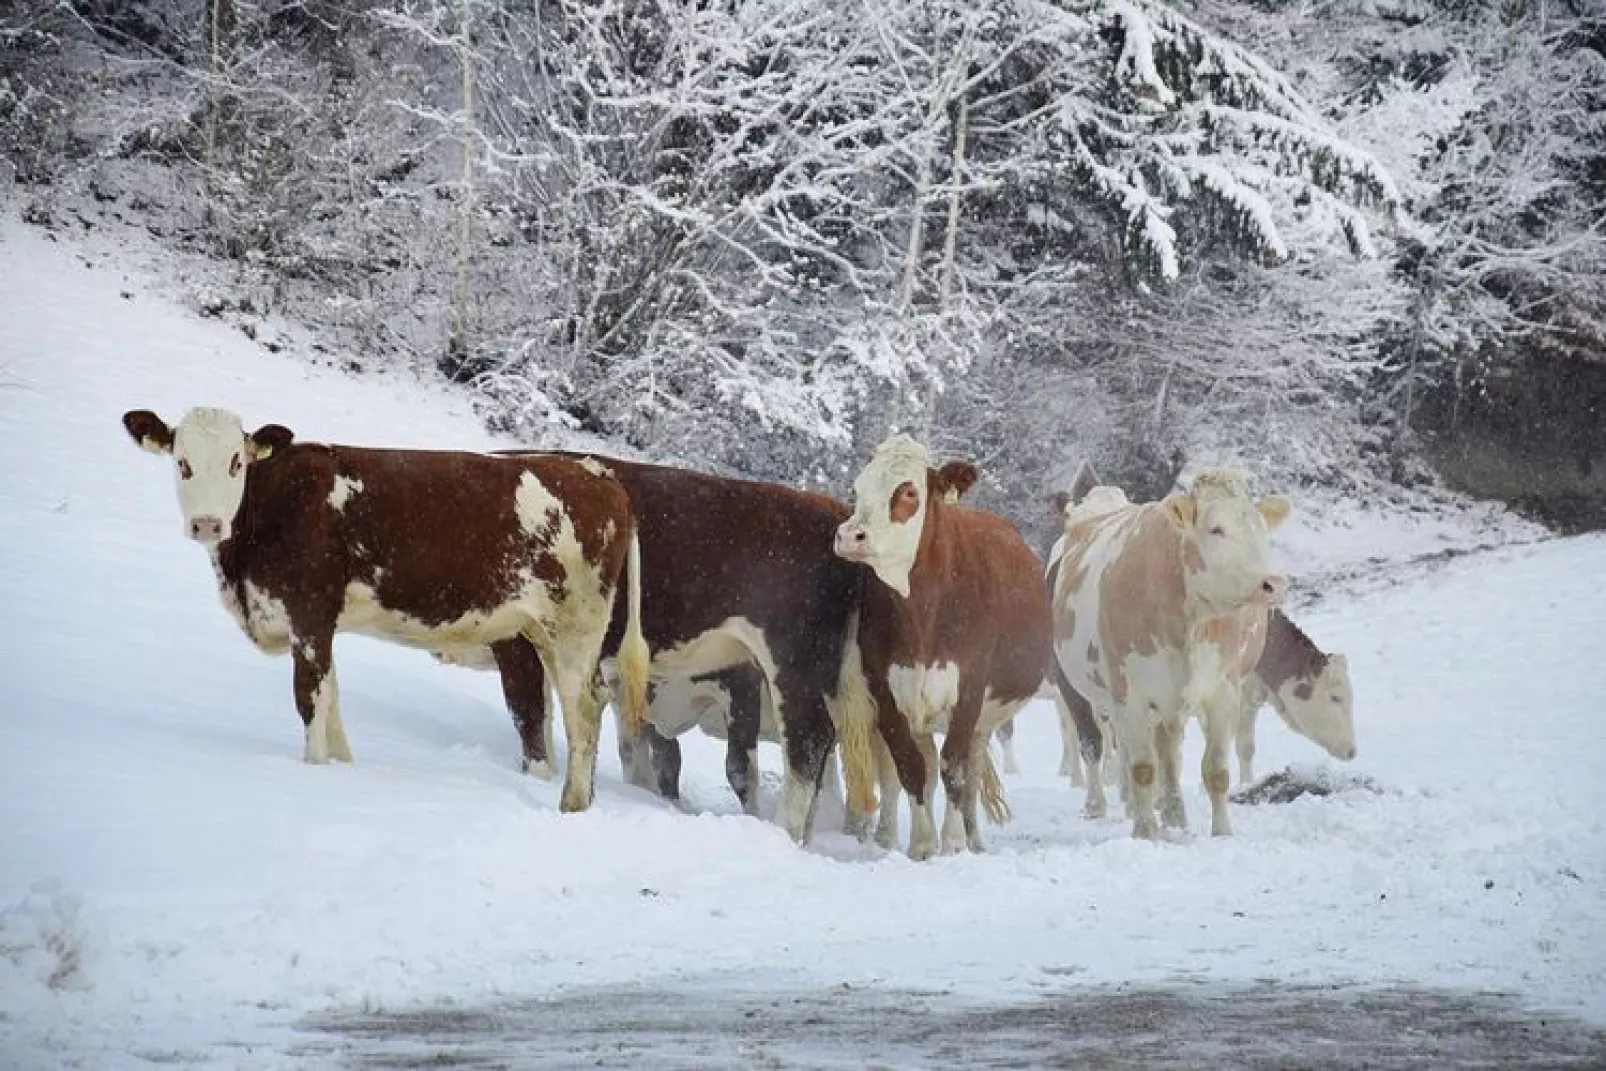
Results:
x,y
1275,588
206,529
852,541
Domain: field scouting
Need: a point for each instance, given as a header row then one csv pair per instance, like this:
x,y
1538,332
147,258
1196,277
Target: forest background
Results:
x,y
1353,245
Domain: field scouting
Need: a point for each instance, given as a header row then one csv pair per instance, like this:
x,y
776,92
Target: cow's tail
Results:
x,y
853,711
992,788
635,660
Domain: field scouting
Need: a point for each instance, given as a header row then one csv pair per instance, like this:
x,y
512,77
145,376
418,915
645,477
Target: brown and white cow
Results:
x,y
953,633
740,572
1159,615
1308,688
433,549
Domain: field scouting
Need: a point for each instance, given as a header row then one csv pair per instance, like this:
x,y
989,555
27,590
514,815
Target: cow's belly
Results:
x,y
365,614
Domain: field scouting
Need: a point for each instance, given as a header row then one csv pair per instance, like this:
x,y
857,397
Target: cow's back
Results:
x,y
1118,599
715,548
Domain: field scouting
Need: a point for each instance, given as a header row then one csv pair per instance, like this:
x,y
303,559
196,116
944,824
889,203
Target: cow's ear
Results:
x,y
267,439
1060,500
1180,509
1274,509
955,478
1083,482
149,431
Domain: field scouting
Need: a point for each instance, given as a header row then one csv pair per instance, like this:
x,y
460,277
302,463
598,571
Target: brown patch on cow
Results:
x,y
1218,781
957,477
1288,653
1141,608
1192,557
905,503
1303,690
1142,773
148,430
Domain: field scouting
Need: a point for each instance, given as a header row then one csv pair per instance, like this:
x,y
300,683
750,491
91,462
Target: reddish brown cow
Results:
x,y
737,573
954,633
433,549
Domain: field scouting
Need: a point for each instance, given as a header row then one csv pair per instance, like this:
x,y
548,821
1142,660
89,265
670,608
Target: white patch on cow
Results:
x,y
263,619
925,694
595,467
734,641
323,715
888,547
210,445
1327,716
344,488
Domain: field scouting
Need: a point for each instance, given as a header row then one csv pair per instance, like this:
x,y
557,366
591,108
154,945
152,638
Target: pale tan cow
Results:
x,y
1158,616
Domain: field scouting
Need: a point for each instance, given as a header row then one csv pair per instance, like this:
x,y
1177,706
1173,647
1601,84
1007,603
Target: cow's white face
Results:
x,y
889,512
1227,538
211,454
1323,709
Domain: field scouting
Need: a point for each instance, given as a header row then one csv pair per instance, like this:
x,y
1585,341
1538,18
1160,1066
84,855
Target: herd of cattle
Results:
x,y
764,612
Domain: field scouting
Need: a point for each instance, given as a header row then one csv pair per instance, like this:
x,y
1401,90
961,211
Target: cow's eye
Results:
x,y
234,465
1218,531
184,470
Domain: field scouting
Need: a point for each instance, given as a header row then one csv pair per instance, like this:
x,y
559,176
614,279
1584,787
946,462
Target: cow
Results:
x,y
433,549
952,636
1159,615
738,572
1308,688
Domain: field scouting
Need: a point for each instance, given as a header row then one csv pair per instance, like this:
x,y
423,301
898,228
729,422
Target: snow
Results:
x,y
176,885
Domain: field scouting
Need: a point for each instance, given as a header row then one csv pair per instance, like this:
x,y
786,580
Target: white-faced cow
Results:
x,y
1307,687
740,572
953,632
1158,616
433,549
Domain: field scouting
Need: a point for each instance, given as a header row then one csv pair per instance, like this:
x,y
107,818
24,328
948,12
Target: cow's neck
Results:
x,y
1289,653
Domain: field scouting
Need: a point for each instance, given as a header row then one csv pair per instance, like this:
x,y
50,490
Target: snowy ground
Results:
x,y
177,887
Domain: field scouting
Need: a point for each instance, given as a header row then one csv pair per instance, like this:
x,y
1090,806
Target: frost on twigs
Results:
x,y
1200,139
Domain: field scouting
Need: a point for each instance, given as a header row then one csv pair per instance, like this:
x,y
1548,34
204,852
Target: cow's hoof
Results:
x,y
573,802
921,850
886,836
540,769
1093,812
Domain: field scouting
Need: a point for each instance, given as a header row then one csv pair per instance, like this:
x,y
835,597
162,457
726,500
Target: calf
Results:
x,y
953,633
1159,614
433,549
1307,687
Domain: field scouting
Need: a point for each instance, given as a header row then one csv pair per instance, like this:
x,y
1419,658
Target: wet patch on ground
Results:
x,y
1159,1028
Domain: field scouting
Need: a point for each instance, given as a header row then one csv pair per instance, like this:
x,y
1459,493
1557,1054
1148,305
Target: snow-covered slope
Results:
x,y
176,885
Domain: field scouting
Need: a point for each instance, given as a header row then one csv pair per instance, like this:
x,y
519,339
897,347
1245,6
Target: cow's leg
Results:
x,y
1136,741
1248,711
1005,735
886,830
317,694
1220,713
664,755
922,827
807,737
524,689
580,693
959,825
1085,728
741,736
1168,746
1070,744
